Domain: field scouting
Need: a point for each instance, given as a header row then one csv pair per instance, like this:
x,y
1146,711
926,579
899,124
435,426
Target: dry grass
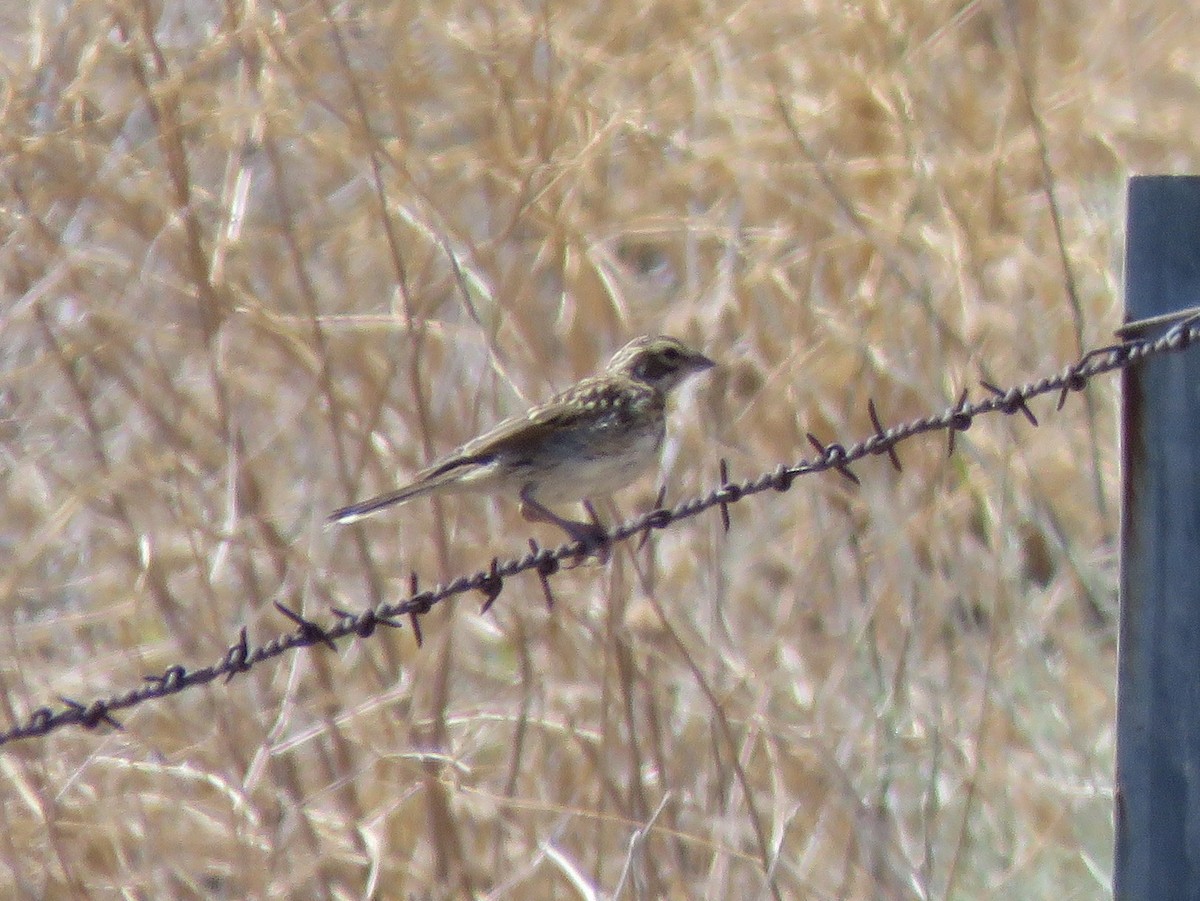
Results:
x,y
261,260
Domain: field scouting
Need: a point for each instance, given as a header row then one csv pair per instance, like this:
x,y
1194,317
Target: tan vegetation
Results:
x,y
262,260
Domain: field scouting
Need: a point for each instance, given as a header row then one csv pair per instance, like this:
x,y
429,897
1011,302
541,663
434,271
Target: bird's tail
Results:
x,y
363,509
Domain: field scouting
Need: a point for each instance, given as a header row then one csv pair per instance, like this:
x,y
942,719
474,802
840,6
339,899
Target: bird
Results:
x,y
594,438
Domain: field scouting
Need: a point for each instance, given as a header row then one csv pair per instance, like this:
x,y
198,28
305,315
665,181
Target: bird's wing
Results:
x,y
561,412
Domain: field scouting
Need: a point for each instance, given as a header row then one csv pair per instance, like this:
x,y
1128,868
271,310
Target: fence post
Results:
x,y
1157,803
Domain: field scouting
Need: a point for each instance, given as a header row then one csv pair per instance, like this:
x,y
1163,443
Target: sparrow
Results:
x,y
591,439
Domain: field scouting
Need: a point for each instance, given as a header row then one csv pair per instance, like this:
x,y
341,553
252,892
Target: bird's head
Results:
x,y
659,361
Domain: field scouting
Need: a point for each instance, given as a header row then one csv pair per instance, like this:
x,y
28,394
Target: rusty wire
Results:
x,y
546,562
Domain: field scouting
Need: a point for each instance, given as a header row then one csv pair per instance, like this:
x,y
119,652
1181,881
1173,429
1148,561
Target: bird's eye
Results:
x,y
671,354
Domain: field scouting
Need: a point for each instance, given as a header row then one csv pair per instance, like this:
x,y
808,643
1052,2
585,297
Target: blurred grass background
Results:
x,y
260,260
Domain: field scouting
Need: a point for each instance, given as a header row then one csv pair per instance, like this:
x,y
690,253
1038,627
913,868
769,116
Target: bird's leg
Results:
x,y
591,534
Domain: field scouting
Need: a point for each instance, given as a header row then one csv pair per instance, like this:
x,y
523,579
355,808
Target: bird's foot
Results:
x,y
590,536
592,539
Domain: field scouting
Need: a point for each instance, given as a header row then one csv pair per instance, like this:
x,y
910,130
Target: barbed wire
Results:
x,y
546,562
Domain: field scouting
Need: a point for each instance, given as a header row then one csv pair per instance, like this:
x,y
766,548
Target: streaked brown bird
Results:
x,y
592,439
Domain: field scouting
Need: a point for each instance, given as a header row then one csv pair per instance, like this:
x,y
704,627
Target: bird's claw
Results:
x,y
592,539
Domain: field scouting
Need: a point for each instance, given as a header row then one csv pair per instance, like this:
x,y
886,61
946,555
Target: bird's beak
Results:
x,y
699,362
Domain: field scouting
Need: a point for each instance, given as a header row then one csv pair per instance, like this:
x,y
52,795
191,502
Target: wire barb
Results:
x,y
312,633
958,419
91,715
414,618
420,603
886,445
363,624
1010,401
833,456
491,585
730,494
546,565
237,657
